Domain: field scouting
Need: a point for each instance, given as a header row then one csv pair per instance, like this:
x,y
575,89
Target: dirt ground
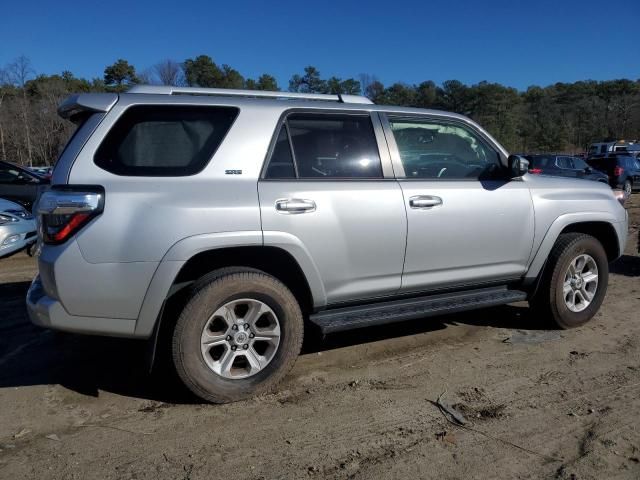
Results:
x,y
538,403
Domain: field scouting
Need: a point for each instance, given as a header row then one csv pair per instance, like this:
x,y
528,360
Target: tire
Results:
x,y
231,290
550,302
628,187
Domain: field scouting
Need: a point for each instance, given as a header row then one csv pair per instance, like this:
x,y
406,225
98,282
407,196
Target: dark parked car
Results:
x,y
19,184
564,166
622,168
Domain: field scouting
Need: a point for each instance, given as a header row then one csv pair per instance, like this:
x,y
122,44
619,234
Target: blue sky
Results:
x,y
512,42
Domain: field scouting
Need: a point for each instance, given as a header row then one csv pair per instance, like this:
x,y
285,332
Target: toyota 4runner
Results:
x,y
234,220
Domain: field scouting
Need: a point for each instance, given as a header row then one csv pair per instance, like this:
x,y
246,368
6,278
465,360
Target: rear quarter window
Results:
x,y
162,141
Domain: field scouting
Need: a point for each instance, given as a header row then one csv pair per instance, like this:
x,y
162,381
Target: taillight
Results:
x,y
64,210
535,170
618,171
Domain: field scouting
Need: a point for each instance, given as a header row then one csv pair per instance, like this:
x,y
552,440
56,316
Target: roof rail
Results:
x,y
169,90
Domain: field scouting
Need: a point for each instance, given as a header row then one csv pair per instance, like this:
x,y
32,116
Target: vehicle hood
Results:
x,y
553,182
9,205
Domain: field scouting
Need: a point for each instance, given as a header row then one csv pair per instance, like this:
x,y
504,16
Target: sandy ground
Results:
x,y
539,404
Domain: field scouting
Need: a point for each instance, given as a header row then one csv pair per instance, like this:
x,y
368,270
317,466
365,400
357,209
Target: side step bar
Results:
x,y
347,318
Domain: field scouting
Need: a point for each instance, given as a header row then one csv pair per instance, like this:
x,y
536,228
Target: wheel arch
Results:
x,y
604,232
181,266
274,261
599,225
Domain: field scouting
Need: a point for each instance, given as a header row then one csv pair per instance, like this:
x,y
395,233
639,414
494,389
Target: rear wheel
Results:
x,y
238,335
628,187
574,281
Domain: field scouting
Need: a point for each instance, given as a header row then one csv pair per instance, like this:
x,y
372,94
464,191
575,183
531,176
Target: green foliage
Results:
x,y
120,75
565,117
560,117
203,72
264,82
311,82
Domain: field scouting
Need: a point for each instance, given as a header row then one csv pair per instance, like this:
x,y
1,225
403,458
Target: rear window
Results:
x,y
164,141
540,161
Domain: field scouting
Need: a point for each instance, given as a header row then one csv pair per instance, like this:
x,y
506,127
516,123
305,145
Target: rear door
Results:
x,y
329,186
467,223
566,167
634,167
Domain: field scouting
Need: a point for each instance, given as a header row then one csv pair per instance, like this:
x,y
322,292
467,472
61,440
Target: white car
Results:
x,y
17,228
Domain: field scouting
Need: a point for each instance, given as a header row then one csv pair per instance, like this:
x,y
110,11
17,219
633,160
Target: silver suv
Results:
x,y
234,220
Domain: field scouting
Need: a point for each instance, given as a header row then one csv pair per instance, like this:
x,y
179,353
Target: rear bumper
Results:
x,y
47,312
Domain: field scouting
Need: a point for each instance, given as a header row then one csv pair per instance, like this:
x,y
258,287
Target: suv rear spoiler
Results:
x,y
87,102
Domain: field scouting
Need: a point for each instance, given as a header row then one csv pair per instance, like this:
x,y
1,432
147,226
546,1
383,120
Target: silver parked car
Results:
x,y
17,228
234,220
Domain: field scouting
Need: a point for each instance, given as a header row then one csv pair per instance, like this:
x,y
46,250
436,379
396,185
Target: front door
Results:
x,y
467,222
327,185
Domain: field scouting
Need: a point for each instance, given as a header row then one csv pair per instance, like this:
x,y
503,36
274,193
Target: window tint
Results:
x,y
9,174
579,164
540,161
433,149
334,146
281,163
164,141
602,164
564,162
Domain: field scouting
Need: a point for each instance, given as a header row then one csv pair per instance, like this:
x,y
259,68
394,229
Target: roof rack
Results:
x,y
169,90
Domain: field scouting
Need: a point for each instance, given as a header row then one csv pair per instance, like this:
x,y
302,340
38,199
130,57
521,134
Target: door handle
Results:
x,y
424,201
295,205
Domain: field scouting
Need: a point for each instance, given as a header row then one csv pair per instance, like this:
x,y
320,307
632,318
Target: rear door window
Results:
x,y
579,164
281,164
326,146
564,162
172,140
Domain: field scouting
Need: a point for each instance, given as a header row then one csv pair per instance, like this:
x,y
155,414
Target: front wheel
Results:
x,y
574,282
239,334
628,187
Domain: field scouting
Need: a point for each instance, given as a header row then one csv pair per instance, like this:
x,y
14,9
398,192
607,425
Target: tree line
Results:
x,y
564,117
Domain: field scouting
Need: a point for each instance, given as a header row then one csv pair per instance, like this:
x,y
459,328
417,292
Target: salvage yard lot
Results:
x,y
356,405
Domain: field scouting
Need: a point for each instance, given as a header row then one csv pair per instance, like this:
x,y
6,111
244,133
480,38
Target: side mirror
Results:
x,y
518,165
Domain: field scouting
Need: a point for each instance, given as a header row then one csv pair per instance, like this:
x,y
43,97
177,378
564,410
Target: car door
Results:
x,y
468,223
328,187
582,169
635,166
566,167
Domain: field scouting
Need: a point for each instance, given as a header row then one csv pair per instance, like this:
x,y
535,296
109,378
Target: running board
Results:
x,y
347,318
